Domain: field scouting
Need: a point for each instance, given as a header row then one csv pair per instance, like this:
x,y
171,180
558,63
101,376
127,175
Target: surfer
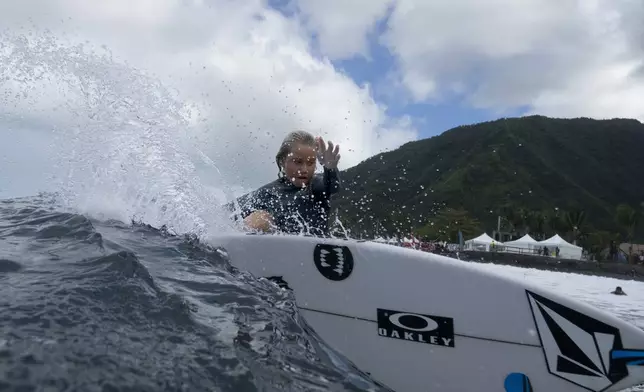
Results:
x,y
618,291
299,200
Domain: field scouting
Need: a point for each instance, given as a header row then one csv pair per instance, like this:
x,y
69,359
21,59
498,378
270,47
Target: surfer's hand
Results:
x,y
259,221
327,155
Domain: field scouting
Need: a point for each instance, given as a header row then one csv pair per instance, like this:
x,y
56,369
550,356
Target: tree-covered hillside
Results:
x,y
538,173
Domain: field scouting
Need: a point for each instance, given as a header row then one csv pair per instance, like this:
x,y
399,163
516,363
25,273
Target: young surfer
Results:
x,y
618,291
299,200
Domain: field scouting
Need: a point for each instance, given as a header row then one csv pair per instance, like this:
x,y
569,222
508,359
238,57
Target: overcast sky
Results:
x,y
368,74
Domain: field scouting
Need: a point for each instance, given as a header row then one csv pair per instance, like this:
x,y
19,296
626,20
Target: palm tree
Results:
x,y
555,222
513,217
530,221
522,221
628,218
447,223
539,222
574,219
596,242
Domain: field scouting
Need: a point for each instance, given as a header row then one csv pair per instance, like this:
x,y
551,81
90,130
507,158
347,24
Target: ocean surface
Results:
x,y
91,305
87,305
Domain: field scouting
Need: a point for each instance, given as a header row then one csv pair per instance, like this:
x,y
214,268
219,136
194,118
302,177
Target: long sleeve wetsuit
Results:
x,y
294,210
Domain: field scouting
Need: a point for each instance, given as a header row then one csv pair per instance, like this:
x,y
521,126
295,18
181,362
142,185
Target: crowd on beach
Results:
x,y
616,253
626,253
438,247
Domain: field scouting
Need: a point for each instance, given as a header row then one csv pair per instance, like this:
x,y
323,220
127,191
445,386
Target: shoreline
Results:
x,y
607,270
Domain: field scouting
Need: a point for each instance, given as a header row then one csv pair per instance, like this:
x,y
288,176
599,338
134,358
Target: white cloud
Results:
x,y
613,89
547,55
342,26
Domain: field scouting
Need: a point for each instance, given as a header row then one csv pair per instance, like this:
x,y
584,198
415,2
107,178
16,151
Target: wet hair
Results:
x,y
292,138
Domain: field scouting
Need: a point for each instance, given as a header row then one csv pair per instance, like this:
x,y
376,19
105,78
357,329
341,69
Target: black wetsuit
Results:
x,y
294,210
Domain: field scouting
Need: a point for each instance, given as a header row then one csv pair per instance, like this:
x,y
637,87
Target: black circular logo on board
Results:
x,y
334,262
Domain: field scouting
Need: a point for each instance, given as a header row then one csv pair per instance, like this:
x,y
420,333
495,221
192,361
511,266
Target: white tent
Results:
x,y
566,249
525,242
481,242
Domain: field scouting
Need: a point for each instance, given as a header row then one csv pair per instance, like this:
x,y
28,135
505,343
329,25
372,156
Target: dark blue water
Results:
x,y
90,305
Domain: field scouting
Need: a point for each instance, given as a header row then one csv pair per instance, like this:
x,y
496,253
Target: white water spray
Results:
x,y
120,145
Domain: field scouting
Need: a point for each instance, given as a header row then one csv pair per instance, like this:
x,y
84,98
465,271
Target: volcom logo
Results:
x,y
333,261
581,349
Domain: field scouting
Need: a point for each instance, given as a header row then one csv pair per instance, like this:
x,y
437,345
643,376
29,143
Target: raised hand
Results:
x,y
327,155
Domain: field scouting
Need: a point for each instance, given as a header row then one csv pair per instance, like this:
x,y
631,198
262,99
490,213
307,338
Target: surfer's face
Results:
x,y
299,165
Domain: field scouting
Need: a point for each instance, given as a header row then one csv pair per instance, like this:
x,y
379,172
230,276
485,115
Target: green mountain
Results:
x,y
541,175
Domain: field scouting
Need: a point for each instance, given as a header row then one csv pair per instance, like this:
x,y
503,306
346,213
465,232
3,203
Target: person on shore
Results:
x,y
618,291
612,252
298,202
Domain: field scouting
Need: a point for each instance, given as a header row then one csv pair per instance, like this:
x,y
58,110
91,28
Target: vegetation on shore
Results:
x,y
580,178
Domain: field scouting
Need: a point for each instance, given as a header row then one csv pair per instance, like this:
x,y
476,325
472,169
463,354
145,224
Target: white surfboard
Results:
x,y
421,322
